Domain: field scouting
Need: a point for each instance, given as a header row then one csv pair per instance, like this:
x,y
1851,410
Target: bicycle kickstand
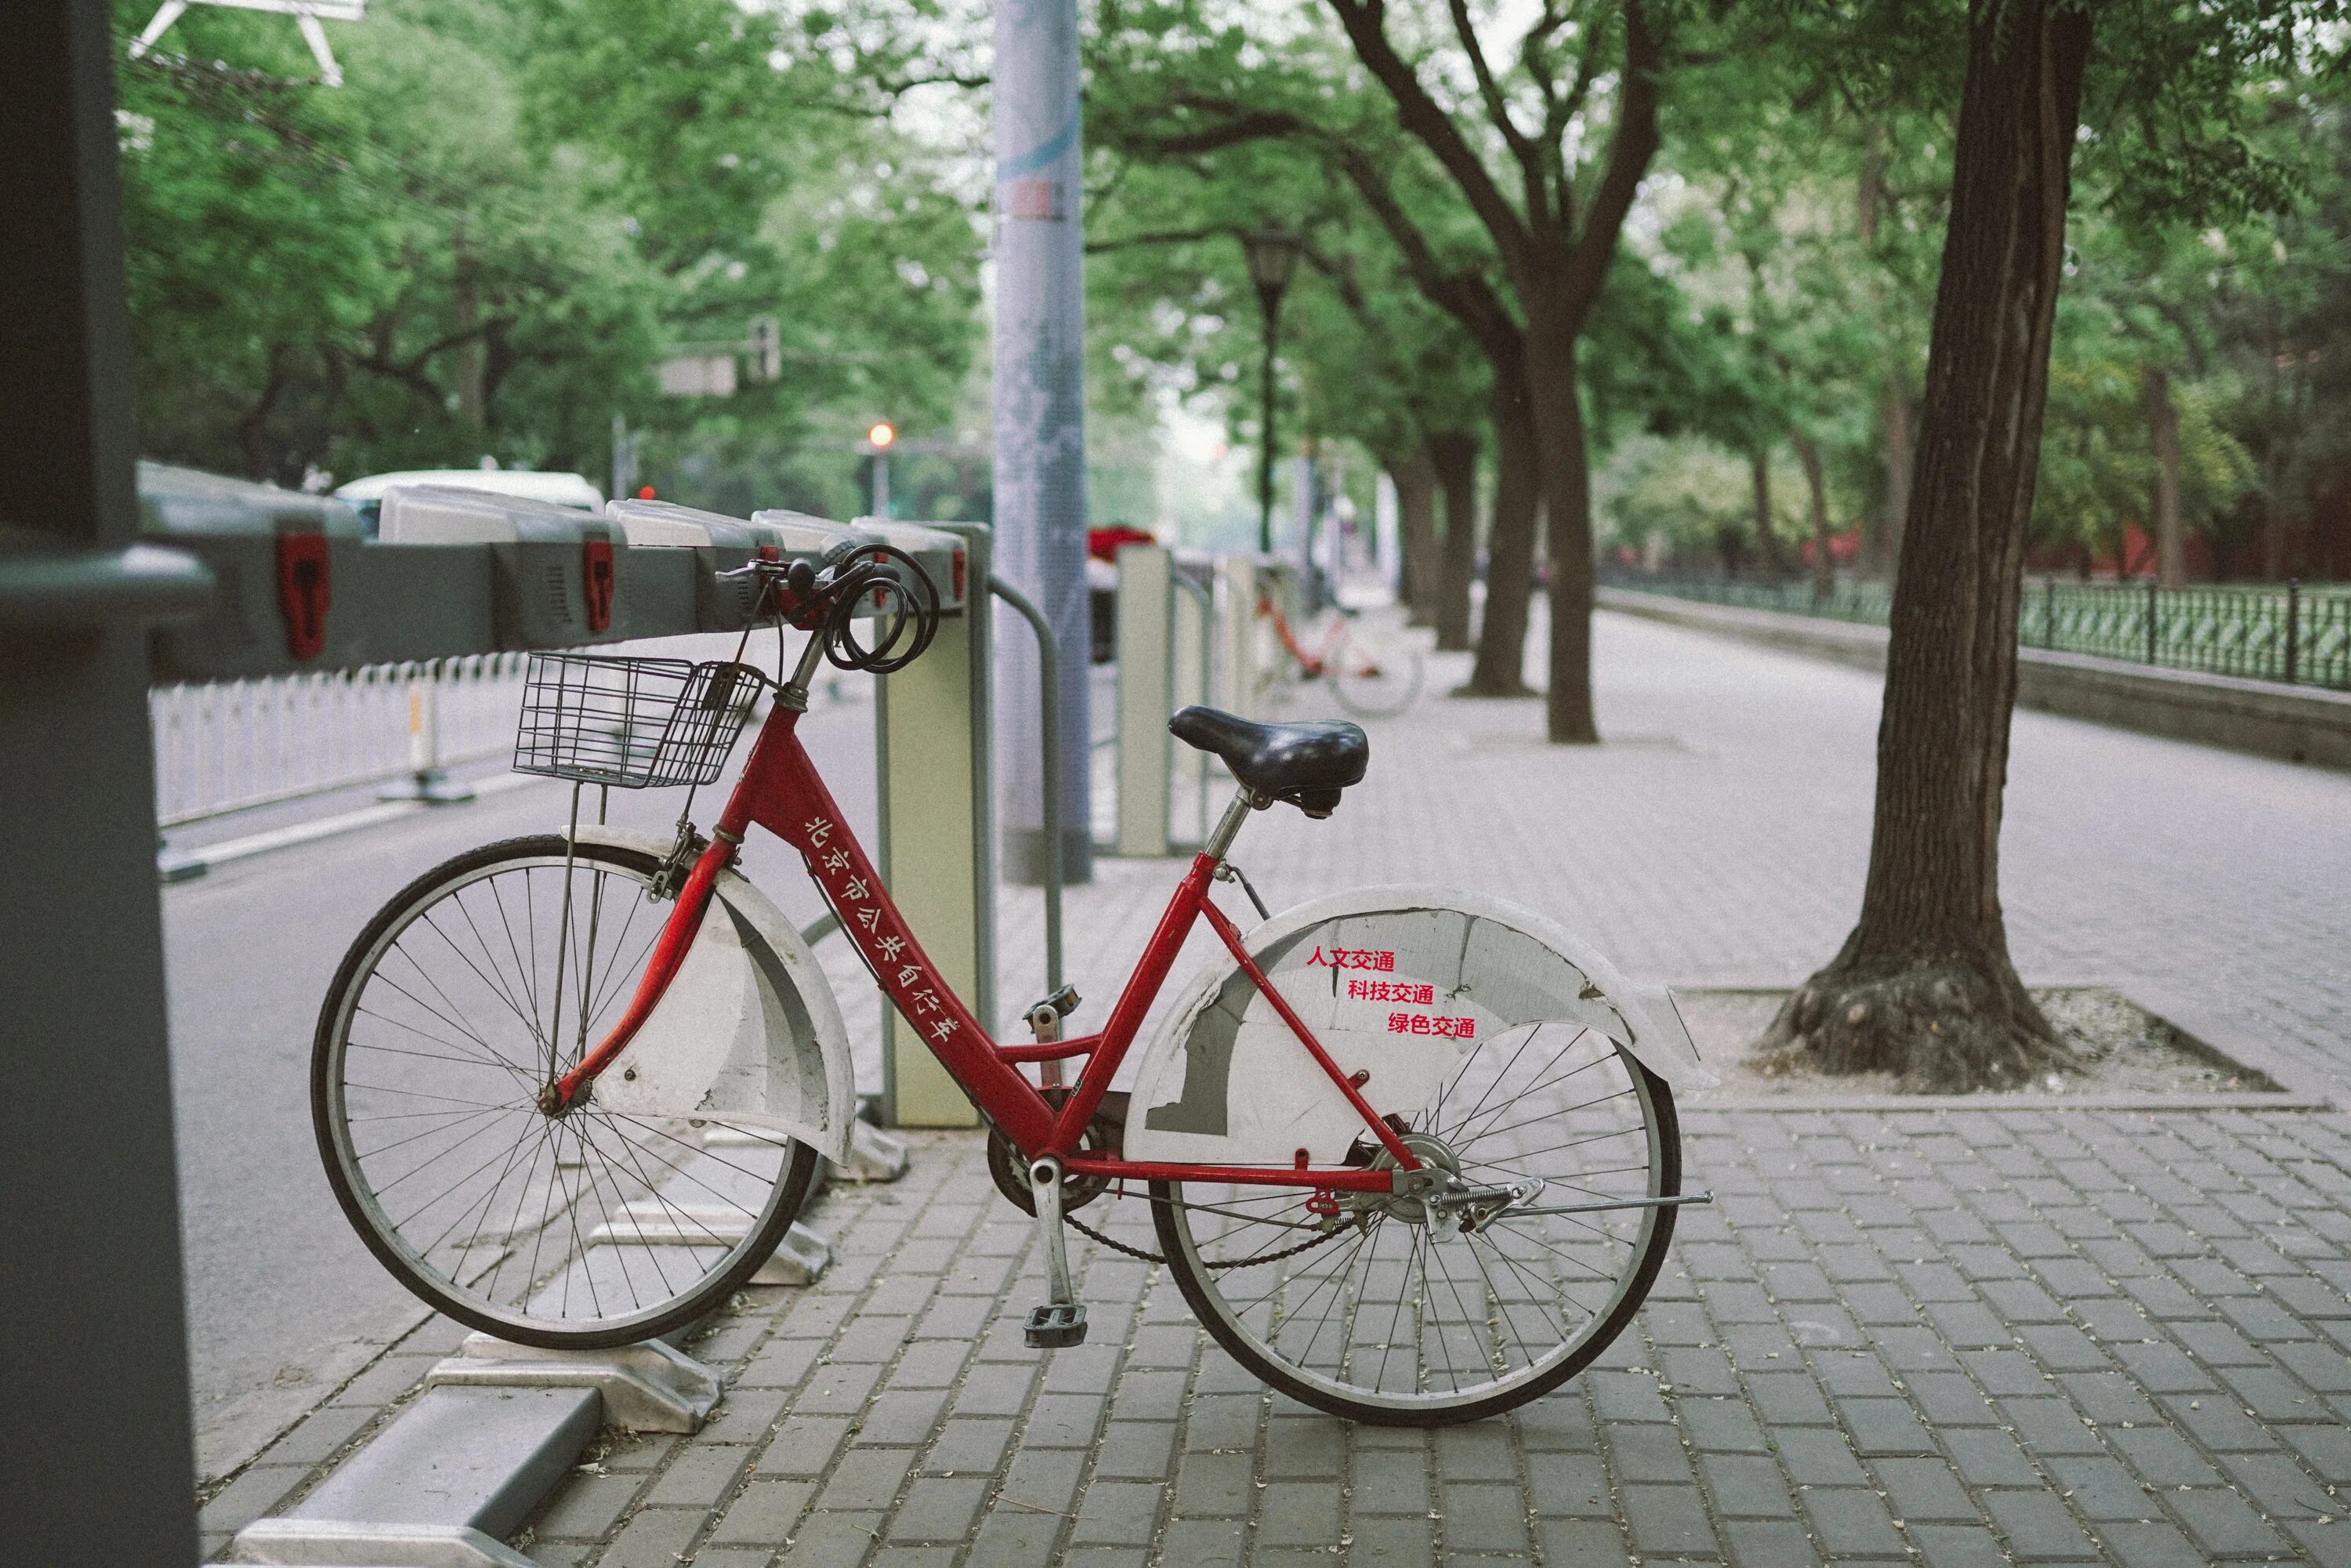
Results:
x,y
1060,1322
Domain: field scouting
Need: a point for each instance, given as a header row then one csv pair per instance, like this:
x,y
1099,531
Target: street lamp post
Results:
x,y
1272,256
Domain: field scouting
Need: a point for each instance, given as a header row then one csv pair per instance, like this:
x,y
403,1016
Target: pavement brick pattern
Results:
x,y
1952,1337
1943,1337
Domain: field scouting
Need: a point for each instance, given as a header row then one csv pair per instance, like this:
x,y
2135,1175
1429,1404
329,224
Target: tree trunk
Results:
x,y
1500,670
2163,432
1415,484
1808,452
1883,543
1923,987
1557,403
1767,537
1454,454
1894,417
253,425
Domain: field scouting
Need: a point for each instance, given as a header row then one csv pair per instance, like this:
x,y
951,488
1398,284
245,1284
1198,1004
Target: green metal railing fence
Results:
x,y
2290,633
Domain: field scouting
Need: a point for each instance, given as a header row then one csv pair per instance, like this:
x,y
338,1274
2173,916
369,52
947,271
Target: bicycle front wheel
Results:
x,y
469,992
1373,681
1400,1314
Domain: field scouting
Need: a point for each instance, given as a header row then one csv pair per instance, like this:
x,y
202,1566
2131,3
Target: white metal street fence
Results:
x,y
227,745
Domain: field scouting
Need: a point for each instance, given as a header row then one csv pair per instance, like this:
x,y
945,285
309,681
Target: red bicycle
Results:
x,y
1410,1154
1374,676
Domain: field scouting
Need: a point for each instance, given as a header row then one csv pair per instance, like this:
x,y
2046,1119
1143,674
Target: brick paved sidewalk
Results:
x,y
1949,1337
1955,1338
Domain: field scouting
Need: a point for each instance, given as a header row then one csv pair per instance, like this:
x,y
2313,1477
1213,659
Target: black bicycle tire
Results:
x,y
1369,710
690,1307
1271,1372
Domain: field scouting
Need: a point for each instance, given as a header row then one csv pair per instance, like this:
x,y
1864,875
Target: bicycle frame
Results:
x,y
1313,665
781,791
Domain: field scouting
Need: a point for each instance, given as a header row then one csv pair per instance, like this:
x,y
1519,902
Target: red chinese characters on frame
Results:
x,y
912,987
1351,958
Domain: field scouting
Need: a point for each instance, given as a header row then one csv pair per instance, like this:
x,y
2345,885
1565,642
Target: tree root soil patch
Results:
x,y
2124,1051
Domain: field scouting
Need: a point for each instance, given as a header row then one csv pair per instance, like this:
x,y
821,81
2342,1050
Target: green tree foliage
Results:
x,y
486,242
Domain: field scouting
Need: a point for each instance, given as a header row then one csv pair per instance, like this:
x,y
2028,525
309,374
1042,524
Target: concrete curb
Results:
x,y
441,1487
2204,1027
176,864
2293,724
497,1426
238,1430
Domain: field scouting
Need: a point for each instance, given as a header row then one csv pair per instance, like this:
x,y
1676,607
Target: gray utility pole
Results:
x,y
1040,437
94,1439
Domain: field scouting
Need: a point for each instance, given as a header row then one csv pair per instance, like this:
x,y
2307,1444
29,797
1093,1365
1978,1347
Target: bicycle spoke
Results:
x,y
591,1219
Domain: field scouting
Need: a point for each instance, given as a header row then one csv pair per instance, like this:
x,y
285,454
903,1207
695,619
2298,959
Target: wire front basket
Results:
x,y
631,724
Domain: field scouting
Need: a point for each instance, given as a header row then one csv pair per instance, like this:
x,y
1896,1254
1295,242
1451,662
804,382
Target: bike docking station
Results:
x,y
453,573
934,786
1146,695
1165,650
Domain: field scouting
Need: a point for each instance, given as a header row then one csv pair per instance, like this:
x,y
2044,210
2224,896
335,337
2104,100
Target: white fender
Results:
x,y
1224,1081
747,1034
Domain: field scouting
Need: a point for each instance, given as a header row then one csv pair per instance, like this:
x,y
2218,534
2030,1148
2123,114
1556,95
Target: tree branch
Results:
x,y
1157,236
1498,109
1629,152
1566,108
1240,124
1420,114
1466,297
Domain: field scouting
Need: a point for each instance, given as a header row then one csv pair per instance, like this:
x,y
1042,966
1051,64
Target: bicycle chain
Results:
x,y
1115,1244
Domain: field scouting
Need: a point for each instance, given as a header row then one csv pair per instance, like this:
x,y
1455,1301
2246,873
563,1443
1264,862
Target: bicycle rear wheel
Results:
x,y
464,997
1391,1314
1374,679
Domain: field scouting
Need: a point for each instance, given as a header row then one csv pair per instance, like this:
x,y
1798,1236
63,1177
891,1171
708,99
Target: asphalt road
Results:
x,y
274,1271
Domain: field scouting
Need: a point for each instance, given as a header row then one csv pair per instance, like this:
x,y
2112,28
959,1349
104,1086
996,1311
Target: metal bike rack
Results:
x,y
1048,681
1193,658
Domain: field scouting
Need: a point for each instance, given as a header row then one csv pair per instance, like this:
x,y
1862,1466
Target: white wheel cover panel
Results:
x,y
1392,981
748,1034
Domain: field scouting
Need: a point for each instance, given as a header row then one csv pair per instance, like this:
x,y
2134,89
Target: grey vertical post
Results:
x,y
1146,695
1240,627
94,1438
1040,461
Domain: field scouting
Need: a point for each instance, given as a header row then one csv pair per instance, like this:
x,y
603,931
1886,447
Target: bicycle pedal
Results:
x,y
1057,1326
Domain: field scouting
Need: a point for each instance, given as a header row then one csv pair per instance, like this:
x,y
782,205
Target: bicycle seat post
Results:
x,y
1229,827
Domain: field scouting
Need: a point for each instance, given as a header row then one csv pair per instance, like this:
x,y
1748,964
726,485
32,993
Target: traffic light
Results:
x,y
880,435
